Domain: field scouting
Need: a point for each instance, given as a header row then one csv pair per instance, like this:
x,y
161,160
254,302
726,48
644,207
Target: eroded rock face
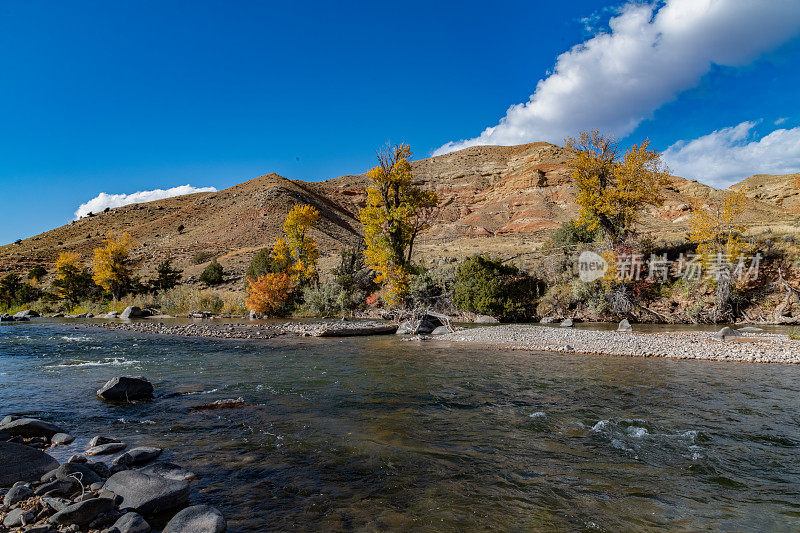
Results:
x,y
126,389
147,494
23,463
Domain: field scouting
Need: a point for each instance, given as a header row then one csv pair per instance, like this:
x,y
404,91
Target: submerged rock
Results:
x,y
146,493
169,471
105,449
197,519
750,329
20,462
126,389
61,439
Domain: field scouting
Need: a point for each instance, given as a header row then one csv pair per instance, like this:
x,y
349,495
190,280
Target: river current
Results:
x,y
382,434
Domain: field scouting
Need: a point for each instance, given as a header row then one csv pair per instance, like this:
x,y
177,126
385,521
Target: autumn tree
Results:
x,y
112,265
395,214
73,281
298,248
269,293
612,188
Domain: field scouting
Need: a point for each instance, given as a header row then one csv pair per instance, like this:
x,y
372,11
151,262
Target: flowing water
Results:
x,y
381,434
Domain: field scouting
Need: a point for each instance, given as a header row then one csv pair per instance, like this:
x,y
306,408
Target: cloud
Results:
x,y
617,78
781,121
103,200
726,156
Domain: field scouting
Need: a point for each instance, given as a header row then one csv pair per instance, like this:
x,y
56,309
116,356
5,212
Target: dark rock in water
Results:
x,y
726,333
101,469
147,494
27,313
82,513
5,317
76,459
228,403
99,441
197,519
17,518
17,494
624,325
169,471
567,323
31,427
72,471
20,462
485,319
138,456
131,312
105,449
126,389
60,439
130,523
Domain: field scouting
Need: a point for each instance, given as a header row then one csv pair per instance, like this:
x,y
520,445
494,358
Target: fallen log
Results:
x,y
355,331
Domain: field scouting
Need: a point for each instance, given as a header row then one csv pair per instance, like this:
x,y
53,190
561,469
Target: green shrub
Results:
x,y
213,273
794,334
571,232
433,288
201,257
486,286
264,263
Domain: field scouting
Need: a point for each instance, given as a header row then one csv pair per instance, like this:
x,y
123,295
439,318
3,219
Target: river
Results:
x,y
381,434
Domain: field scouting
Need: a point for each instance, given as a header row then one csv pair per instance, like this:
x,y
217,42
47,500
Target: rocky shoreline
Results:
x,y
727,345
118,496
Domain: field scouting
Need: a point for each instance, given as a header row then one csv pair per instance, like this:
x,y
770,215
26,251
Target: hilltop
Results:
x,y
500,199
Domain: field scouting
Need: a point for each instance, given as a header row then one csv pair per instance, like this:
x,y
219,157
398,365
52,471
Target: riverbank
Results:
x,y
753,347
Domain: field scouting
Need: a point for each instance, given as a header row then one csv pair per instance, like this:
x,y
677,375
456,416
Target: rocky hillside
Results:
x,y
781,191
499,199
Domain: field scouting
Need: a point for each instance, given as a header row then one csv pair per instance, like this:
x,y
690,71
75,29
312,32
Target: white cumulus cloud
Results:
x,y
726,156
103,200
648,55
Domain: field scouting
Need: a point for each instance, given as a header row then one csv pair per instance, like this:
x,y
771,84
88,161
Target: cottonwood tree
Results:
x,y
269,293
613,189
395,214
73,281
112,264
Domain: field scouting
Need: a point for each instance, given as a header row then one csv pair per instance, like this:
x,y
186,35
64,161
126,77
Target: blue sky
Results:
x,y
120,97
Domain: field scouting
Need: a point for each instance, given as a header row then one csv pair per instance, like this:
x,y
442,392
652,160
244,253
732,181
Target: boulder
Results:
x,y
197,519
27,313
31,427
126,389
61,439
147,494
726,333
485,319
5,317
255,316
138,456
424,326
17,518
82,513
624,325
112,314
169,471
105,449
56,504
99,440
131,312
567,323
71,472
16,495
130,523
20,462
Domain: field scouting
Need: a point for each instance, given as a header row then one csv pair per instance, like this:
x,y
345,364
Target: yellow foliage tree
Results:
x,y
717,228
395,214
67,262
298,246
112,264
612,190
269,293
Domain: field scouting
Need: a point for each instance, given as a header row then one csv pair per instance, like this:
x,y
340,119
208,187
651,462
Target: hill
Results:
x,y
499,199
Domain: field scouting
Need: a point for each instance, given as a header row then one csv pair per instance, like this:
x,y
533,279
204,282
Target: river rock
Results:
x,y
5,317
55,488
197,519
169,471
750,329
549,320
61,439
17,494
17,518
567,323
441,330
131,312
726,333
112,314
73,471
130,523
27,313
20,462
56,504
126,389
138,456
485,319
145,493
31,427
99,440
624,325
82,513
105,449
